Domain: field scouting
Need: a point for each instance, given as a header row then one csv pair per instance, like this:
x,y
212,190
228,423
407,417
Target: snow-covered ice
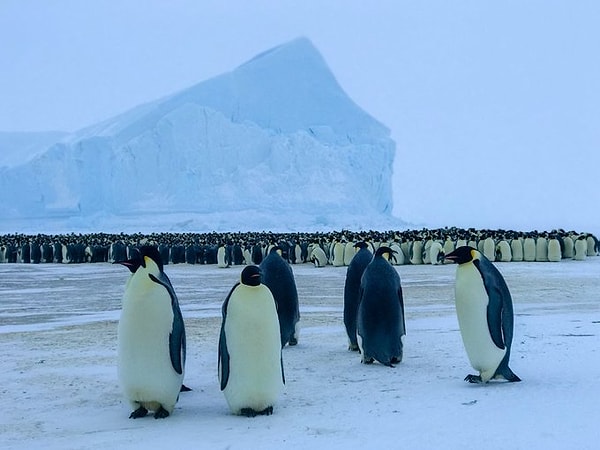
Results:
x,y
59,381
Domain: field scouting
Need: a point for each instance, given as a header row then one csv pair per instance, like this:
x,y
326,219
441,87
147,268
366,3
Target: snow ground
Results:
x,y
59,384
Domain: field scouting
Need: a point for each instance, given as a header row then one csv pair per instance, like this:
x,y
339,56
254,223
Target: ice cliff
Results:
x,y
274,144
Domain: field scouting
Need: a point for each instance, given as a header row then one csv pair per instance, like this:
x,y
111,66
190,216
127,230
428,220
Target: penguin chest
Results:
x,y
145,369
471,308
254,347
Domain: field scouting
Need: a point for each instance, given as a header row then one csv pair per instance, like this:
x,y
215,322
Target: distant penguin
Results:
x,y
503,252
416,252
221,257
277,275
489,248
398,259
541,249
318,257
516,249
592,245
580,248
337,254
569,250
349,252
529,249
151,337
380,320
354,273
448,245
436,253
250,362
554,252
425,252
485,315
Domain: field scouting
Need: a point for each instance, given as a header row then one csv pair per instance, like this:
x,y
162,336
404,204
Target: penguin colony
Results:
x,y
151,333
228,249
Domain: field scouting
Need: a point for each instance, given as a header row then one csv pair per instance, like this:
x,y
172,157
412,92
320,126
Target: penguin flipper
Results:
x,y
177,346
177,341
223,352
224,358
495,291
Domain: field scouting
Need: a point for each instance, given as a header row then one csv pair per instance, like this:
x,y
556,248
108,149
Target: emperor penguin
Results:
x,y
318,256
529,249
277,275
554,249
354,273
580,248
485,315
516,249
380,320
250,360
151,337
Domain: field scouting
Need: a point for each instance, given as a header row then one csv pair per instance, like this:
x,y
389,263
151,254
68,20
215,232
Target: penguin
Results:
x,y
354,273
503,251
151,337
349,252
277,275
580,248
569,250
529,249
318,257
516,249
436,253
489,248
380,320
485,315
541,249
554,251
221,257
250,358
416,252
337,252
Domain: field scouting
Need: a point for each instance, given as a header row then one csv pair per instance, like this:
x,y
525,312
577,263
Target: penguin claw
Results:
x,y
161,413
138,413
249,412
473,378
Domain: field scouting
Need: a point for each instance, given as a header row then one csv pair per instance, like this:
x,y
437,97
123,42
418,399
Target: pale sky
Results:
x,y
494,106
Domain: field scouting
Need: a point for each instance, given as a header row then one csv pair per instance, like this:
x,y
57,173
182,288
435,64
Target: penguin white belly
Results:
x,y
145,369
254,347
471,309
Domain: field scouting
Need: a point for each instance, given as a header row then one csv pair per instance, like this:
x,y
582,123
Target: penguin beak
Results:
x,y
451,257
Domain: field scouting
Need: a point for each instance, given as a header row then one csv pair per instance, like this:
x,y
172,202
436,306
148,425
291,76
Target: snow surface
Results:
x,y
59,379
275,143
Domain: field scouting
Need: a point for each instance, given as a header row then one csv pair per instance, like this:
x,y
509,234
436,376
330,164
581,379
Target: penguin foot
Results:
x,y
473,379
161,413
138,413
267,411
353,347
250,412
365,360
293,341
184,388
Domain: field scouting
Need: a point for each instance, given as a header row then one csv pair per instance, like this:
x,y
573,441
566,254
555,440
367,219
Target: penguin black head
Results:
x,y
384,250
461,255
251,276
361,244
137,258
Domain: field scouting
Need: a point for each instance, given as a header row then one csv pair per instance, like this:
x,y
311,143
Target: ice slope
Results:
x,y
276,143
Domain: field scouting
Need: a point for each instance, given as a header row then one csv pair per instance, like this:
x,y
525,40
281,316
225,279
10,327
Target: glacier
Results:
x,y
274,144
